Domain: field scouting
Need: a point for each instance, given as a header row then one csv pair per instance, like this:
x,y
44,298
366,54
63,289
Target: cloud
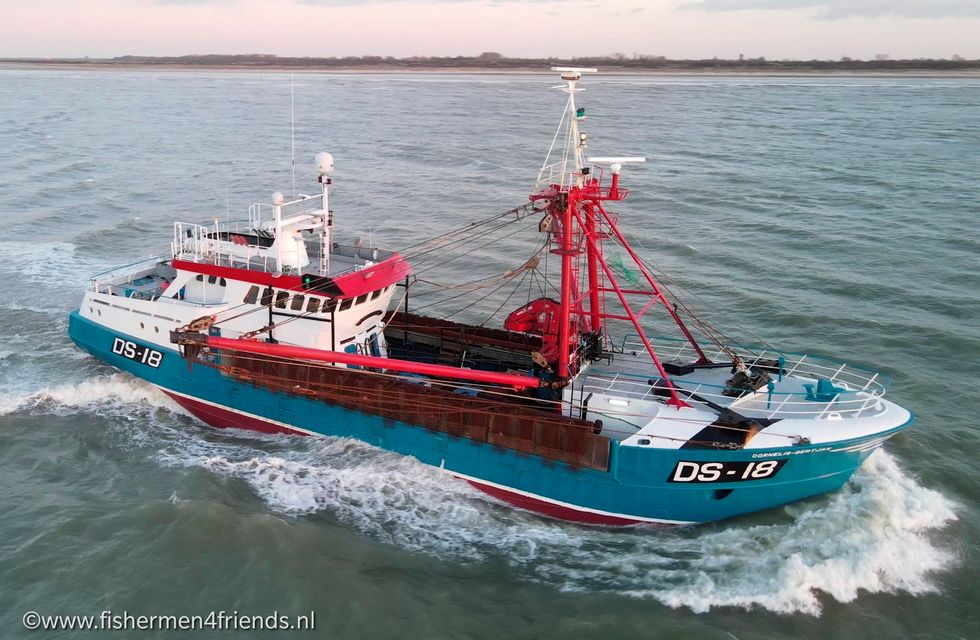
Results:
x,y
834,9
358,3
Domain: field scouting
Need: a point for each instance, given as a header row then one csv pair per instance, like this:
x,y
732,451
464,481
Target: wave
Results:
x,y
114,392
48,263
873,536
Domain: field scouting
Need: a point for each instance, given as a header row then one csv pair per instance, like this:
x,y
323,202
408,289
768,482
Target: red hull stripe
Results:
x,y
222,417
556,510
353,284
226,419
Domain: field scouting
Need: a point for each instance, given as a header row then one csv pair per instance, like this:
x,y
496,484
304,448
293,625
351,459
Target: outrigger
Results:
x,y
569,408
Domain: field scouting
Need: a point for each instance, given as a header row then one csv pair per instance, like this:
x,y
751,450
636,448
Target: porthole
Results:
x,y
643,441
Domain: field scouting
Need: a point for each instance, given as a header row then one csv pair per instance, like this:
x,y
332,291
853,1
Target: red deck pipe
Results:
x,y
372,362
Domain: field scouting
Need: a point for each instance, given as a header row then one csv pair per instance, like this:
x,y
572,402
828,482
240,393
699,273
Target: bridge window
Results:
x,y
346,304
266,297
312,305
252,296
361,299
212,279
281,298
329,306
297,304
374,296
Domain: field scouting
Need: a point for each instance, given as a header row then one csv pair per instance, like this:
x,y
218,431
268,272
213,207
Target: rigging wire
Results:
x,y
502,304
322,288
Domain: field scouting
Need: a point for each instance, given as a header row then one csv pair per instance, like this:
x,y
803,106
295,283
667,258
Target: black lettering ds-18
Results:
x,y
724,471
137,352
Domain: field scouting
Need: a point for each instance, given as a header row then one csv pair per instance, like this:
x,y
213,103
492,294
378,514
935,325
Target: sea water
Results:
x,y
835,215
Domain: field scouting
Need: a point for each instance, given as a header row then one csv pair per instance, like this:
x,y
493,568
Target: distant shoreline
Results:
x,y
755,68
800,73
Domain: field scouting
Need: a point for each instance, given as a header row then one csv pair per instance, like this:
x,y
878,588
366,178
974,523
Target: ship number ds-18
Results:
x,y
724,471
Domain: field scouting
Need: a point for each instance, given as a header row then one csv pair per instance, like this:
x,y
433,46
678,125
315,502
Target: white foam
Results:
x,y
875,535
117,390
16,306
40,261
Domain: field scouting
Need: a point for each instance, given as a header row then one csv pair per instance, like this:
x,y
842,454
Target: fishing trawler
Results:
x,y
570,407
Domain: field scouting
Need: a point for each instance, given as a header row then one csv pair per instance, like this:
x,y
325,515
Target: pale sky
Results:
x,y
797,29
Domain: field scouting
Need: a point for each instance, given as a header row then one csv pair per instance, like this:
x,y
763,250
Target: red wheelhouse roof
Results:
x,y
351,285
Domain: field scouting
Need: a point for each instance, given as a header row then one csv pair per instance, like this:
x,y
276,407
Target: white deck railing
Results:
x,y
124,274
761,403
856,389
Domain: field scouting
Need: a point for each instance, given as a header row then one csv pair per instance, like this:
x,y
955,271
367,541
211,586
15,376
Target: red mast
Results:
x,y
573,196
567,251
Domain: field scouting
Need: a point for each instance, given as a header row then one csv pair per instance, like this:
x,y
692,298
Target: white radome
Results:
x,y
324,162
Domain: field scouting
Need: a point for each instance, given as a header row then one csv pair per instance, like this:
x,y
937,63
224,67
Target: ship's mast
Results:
x,y
573,174
573,196
324,167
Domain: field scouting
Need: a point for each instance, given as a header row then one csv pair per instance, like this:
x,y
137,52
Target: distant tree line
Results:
x,y
491,60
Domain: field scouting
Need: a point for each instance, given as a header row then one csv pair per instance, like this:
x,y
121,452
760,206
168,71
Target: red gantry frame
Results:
x,y
583,223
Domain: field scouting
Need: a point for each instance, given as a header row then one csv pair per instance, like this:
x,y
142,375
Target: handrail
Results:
x,y
793,403
105,277
153,260
816,366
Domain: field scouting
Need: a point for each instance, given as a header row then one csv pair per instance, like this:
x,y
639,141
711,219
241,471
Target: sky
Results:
x,y
775,29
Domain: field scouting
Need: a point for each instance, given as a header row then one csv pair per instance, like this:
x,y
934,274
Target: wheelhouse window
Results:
x,y
376,294
281,298
346,304
329,306
312,304
266,297
252,295
361,299
297,304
